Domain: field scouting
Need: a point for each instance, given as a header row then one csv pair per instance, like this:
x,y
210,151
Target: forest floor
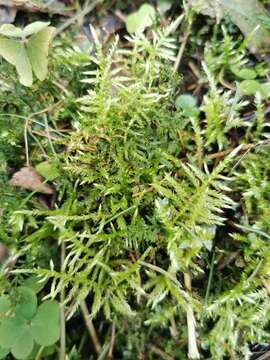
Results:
x,y
134,179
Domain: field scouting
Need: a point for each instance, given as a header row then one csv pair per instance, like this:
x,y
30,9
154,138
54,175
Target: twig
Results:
x,y
62,353
39,353
168,275
27,121
193,352
90,327
87,9
210,278
112,340
161,353
244,147
181,50
265,356
26,142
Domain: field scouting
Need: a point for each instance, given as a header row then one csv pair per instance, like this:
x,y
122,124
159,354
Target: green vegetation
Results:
x,y
134,186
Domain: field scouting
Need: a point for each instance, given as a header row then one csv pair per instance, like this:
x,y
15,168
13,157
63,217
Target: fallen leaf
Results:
x,y
7,15
56,7
28,178
244,14
4,253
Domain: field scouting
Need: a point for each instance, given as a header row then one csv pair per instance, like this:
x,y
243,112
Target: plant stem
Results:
x,y
112,341
193,352
87,9
90,327
62,354
210,278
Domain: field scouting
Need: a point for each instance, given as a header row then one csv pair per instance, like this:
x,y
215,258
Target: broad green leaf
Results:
x,y
245,14
24,343
37,50
164,5
5,303
133,23
45,325
11,31
148,13
26,302
245,73
187,103
47,170
265,90
34,28
249,87
10,329
141,19
3,352
14,52
33,282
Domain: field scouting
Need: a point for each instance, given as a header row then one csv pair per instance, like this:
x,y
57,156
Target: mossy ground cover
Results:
x,y
135,187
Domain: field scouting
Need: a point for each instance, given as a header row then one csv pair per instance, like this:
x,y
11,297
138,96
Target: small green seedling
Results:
x,y
27,49
251,87
188,104
48,170
23,323
244,73
141,19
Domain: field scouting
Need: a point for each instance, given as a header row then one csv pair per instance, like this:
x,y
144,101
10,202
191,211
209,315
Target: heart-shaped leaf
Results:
x,y
141,19
3,353
30,55
37,50
26,302
33,282
5,303
34,28
24,343
187,103
47,170
10,329
11,31
45,325
249,87
14,52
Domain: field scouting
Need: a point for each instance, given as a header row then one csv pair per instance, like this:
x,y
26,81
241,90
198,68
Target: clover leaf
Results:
x,y
26,324
27,302
141,19
27,55
45,325
5,303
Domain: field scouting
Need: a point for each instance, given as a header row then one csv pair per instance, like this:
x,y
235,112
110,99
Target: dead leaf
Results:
x,y
7,15
244,14
27,178
4,253
56,7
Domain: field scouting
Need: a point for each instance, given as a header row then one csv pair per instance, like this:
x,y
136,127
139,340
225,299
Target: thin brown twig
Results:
x,y
181,50
27,122
161,353
244,147
265,356
62,352
90,327
193,352
112,341
80,15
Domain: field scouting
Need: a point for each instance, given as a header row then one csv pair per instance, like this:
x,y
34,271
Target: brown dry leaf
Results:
x,y
56,7
7,15
27,178
4,253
